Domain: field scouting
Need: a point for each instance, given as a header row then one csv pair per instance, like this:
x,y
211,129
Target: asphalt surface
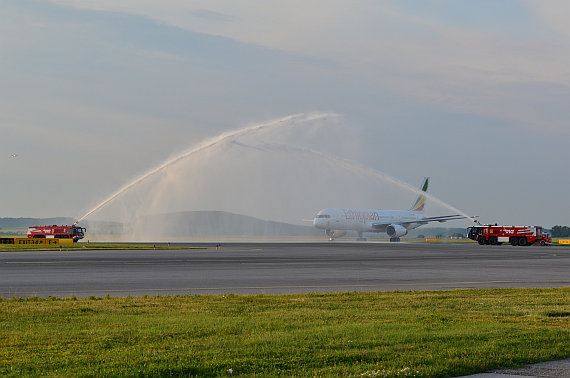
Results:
x,y
281,268
551,369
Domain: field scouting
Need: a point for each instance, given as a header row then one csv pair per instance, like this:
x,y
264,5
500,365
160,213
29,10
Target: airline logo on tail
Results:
x,y
421,200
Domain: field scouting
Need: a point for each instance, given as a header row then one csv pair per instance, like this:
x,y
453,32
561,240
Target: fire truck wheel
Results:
x,y
514,241
493,240
542,242
481,240
522,241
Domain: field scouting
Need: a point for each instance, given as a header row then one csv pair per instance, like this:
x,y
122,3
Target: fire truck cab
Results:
x,y
57,232
515,235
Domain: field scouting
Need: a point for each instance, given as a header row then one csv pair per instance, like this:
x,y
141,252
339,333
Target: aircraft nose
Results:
x,y
317,222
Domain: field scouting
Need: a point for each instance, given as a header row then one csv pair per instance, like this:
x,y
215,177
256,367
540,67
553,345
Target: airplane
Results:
x,y
336,222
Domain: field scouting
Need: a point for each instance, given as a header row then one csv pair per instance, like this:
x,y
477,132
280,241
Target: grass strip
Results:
x,y
384,334
90,247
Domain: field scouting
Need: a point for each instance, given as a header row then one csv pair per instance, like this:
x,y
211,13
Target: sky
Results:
x,y
93,94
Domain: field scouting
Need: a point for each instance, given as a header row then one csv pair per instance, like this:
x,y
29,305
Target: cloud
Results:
x,y
211,15
420,54
554,14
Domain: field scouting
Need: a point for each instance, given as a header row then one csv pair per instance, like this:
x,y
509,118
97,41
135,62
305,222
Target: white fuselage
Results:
x,y
365,220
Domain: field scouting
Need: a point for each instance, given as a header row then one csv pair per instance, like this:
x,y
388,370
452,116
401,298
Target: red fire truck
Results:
x,y
516,235
57,232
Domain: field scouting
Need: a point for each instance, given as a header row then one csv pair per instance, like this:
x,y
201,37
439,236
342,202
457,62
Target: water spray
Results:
x,y
353,166
209,143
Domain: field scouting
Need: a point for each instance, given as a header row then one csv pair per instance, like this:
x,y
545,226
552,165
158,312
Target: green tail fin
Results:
x,y
421,200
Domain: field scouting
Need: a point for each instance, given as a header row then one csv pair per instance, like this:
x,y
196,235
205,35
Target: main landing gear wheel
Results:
x,y
394,240
360,238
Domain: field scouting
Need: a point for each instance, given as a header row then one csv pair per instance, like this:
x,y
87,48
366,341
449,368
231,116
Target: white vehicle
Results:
x,y
336,222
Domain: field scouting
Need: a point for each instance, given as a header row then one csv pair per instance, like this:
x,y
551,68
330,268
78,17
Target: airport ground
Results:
x,y
366,329
274,268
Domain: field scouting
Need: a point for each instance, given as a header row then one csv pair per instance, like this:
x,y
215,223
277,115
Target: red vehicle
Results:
x,y
516,235
57,232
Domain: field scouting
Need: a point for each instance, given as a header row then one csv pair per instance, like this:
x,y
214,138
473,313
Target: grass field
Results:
x,y
443,333
89,246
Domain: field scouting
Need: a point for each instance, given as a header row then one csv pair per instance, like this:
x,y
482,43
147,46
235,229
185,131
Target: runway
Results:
x,y
249,268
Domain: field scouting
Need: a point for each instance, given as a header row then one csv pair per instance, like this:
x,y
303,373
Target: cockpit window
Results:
x,y
323,216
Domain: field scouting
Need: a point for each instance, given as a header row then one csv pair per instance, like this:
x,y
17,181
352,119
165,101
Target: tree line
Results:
x,y
560,231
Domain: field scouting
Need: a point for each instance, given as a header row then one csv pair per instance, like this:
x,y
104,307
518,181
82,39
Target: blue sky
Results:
x,y
473,94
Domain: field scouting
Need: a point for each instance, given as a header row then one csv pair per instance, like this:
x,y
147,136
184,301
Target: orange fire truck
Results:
x,y
57,232
515,235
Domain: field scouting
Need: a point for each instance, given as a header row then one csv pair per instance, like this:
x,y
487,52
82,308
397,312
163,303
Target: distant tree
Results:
x,y
560,231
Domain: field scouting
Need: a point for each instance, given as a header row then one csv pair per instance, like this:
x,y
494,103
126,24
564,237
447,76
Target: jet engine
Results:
x,y
395,231
334,234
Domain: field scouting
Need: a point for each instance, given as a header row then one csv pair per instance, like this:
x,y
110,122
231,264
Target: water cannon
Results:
x,y
475,220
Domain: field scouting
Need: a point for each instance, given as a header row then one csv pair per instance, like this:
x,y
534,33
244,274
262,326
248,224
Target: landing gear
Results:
x,y
330,234
360,238
333,234
394,240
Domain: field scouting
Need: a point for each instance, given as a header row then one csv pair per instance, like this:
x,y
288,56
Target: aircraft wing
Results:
x,y
440,219
443,218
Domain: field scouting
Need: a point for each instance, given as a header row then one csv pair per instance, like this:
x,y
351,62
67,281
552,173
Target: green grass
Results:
x,y
88,246
443,333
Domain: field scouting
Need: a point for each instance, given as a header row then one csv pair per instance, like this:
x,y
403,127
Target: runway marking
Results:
x,y
287,287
